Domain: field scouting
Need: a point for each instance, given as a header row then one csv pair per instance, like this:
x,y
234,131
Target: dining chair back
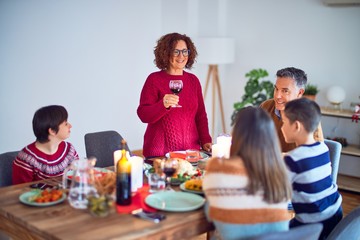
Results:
x,y
304,232
348,227
6,160
102,146
4,236
335,153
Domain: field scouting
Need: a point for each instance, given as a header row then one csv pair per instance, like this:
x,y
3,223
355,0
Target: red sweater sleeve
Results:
x,y
21,173
151,108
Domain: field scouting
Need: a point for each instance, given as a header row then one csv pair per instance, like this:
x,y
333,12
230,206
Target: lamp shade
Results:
x,y
335,95
215,50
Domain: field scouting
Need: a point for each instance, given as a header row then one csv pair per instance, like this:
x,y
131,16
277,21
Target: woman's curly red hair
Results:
x,y
165,47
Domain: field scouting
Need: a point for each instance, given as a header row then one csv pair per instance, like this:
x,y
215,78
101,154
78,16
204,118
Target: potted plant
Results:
x,y
310,91
256,91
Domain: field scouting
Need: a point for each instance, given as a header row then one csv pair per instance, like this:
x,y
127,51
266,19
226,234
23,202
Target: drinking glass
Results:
x,y
192,155
156,182
176,86
169,168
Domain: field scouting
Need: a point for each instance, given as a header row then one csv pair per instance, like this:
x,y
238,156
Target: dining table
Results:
x,y
61,221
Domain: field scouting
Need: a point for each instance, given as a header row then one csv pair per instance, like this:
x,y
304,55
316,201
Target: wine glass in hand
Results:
x,y
176,86
169,168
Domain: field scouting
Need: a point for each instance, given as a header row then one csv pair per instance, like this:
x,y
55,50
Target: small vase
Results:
x,y
311,97
100,206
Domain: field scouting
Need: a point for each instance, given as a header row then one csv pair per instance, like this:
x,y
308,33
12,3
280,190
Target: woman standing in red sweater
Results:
x,y
173,128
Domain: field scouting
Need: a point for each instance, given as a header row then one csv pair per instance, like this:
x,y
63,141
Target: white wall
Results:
x,y
94,56
323,41
90,56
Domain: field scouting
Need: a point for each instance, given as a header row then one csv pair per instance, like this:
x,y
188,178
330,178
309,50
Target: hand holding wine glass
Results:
x,y
169,168
176,86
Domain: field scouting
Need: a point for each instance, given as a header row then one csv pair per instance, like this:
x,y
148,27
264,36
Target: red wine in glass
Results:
x,y
169,172
169,168
176,86
176,91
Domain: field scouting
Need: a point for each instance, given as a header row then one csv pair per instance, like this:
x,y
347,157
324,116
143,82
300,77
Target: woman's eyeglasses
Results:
x,y
185,52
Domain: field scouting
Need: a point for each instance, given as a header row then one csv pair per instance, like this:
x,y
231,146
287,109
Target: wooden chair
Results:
x,y
102,146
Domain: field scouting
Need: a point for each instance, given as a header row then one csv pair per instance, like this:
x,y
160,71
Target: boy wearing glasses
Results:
x,y
290,85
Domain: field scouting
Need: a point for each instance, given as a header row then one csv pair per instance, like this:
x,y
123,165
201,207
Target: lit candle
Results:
x,y
227,151
224,144
214,150
224,140
136,172
218,150
117,156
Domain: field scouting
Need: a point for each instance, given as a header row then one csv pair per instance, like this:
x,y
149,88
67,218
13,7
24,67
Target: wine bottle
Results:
x,y
123,178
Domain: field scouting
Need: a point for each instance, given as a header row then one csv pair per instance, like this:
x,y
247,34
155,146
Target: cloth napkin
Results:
x,y
137,201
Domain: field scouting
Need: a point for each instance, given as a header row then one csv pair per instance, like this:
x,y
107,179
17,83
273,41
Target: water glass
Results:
x,y
156,182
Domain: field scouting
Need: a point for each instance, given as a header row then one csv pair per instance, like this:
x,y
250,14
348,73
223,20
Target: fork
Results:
x,y
152,217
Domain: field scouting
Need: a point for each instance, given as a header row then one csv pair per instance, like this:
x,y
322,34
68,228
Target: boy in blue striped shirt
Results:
x,y
315,197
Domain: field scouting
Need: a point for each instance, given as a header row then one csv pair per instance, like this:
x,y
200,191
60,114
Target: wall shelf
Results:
x,y
348,183
352,150
344,113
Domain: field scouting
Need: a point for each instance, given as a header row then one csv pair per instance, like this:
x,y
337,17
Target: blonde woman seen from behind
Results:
x,y
248,193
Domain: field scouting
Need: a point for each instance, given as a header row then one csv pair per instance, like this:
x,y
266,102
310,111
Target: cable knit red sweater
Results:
x,y
175,128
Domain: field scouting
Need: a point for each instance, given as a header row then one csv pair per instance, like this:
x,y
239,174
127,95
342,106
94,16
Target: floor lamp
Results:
x,y
215,51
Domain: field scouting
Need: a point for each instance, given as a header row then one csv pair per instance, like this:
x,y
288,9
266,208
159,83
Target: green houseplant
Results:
x,y
310,91
257,90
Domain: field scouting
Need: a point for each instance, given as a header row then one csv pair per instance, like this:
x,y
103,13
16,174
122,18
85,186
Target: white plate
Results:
x,y
175,201
24,198
182,187
203,155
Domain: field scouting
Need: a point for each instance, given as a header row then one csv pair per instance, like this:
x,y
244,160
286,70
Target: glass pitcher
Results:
x,y
81,175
